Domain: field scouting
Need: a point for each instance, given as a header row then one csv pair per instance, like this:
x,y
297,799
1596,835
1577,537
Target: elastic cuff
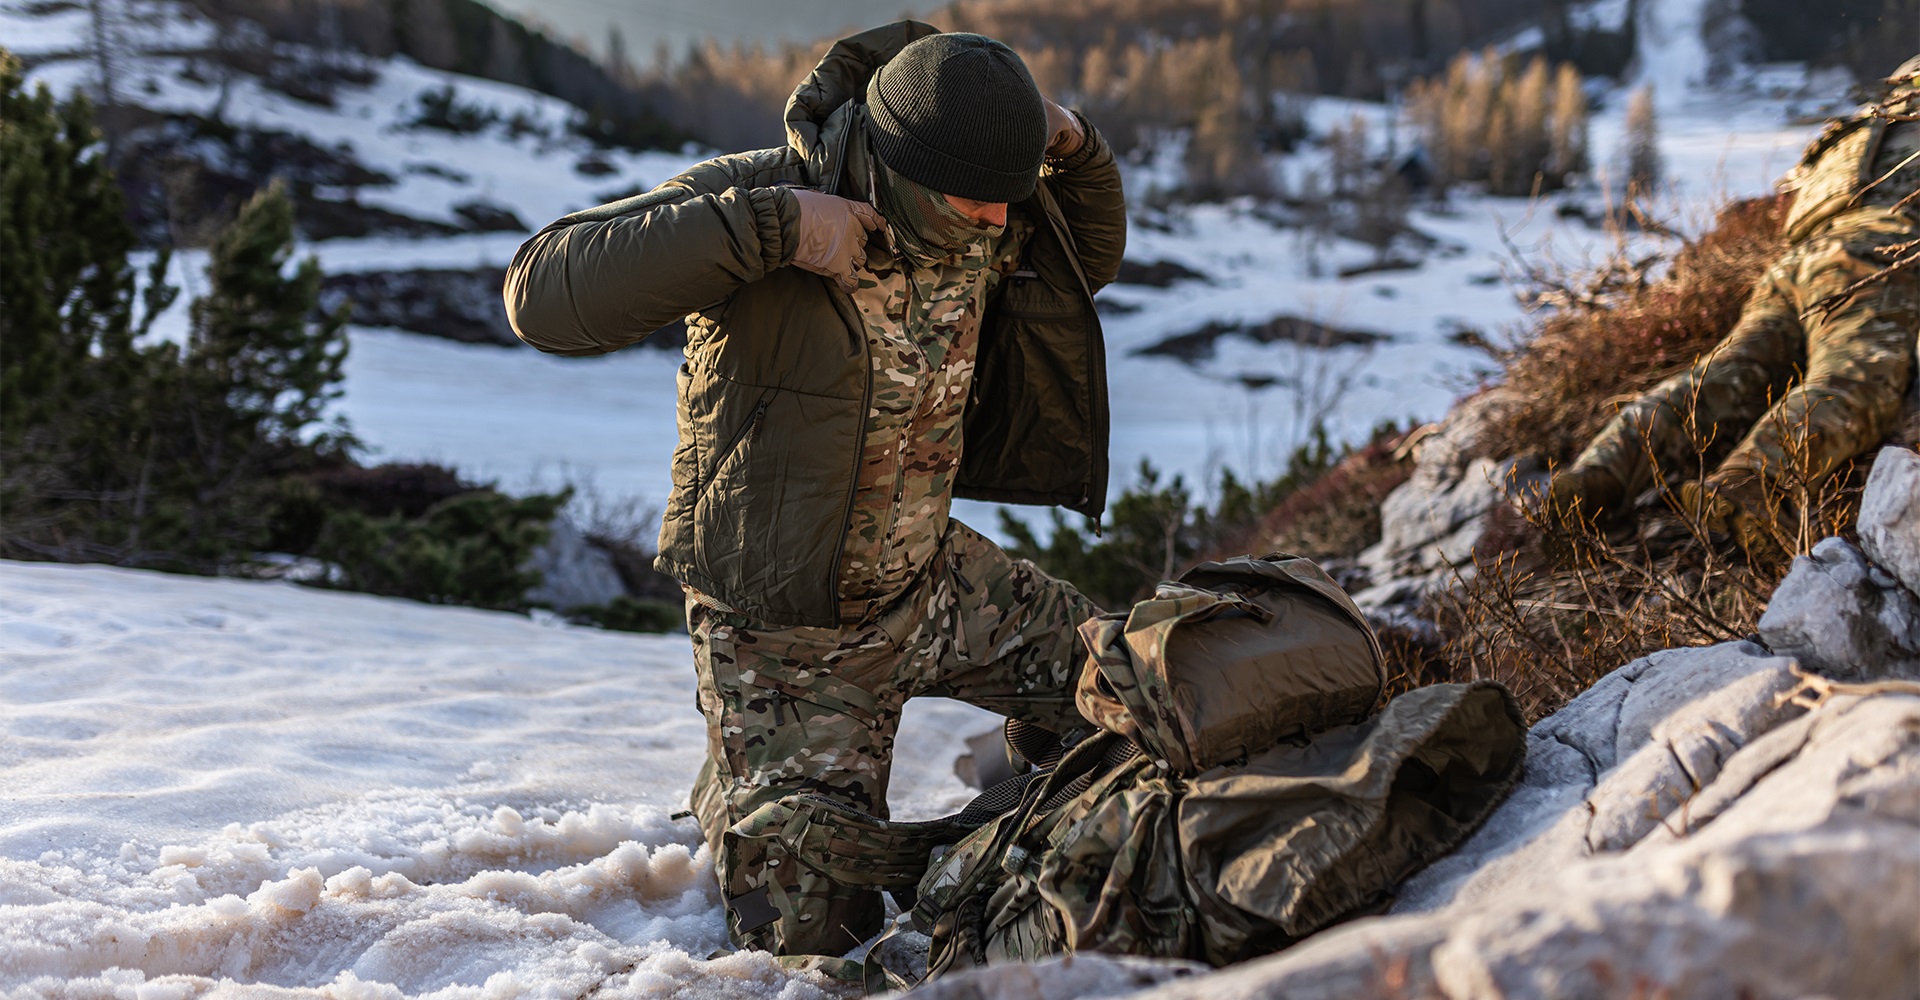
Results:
x,y
776,213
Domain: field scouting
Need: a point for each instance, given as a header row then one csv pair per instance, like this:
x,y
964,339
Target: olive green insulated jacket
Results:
x,y
775,389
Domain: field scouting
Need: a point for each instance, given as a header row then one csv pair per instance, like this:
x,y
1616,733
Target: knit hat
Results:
x,y
960,114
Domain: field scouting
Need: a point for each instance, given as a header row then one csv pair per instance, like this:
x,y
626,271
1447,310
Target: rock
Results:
x,y
462,305
577,572
1890,515
487,217
1070,977
1844,617
1198,345
1431,524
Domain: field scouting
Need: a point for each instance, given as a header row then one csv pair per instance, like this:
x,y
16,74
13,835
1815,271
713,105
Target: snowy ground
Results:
x,y
222,780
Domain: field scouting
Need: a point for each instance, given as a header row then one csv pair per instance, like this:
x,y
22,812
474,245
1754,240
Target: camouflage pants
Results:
x,y
814,711
1805,381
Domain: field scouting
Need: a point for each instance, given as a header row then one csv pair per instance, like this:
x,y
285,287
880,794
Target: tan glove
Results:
x,y
1581,495
1741,513
1064,135
833,235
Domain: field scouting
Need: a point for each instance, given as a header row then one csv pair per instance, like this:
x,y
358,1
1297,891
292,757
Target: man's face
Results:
x,y
986,213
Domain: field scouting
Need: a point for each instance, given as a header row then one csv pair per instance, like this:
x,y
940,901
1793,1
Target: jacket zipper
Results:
x,y
739,437
859,452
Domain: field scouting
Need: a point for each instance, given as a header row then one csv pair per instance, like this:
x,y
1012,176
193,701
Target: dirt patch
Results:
x,y
1158,274
1199,345
462,305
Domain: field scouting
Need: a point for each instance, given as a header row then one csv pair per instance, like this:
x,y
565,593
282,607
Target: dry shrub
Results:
x,y
1334,515
1338,514
1551,606
1614,334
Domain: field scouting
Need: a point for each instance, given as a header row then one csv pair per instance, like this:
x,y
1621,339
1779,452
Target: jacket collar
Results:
x,y
821,120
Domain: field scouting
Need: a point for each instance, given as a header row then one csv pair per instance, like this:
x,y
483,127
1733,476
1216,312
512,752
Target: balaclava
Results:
x,y
926,228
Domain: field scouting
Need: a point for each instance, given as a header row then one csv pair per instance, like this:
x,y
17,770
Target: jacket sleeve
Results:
x,y
607,277
1087,187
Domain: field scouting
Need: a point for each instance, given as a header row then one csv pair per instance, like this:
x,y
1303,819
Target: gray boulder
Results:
x,y
1854,615
1890,515
1844,617
1430,525
575,571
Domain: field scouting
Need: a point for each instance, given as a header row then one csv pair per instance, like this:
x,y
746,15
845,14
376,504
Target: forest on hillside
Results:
x,y
1144,65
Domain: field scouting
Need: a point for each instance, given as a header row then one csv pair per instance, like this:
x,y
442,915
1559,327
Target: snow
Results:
x,y
1672,51
226,780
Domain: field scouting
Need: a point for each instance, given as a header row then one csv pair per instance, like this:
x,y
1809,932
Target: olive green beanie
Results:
x,y
959,113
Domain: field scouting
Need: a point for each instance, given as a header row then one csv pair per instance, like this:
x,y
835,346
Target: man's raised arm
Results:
x,y
607,277
1086,183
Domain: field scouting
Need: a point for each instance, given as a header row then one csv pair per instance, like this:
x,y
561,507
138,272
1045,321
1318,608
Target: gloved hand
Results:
x,y
833,235
1581,495
1064,135
1740,513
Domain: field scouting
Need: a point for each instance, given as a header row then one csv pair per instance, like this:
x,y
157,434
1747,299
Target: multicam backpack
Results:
x,y
1241,795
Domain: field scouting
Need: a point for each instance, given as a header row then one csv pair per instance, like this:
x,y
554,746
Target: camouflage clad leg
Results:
x,y
1851,364
814,711
1860,354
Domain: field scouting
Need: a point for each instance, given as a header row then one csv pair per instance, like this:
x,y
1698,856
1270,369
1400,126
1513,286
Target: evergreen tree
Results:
x,y
115,450
256,377
1528,108
72,379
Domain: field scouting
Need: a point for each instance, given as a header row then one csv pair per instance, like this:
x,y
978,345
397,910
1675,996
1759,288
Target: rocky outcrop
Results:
x,y
574,572
1714,822
1430,524
1199,345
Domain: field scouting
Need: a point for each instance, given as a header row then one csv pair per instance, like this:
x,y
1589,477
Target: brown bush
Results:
x,y
1337,515
1615,333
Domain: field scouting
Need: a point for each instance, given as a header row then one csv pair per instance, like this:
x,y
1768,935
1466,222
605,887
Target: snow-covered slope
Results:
x,y
218,781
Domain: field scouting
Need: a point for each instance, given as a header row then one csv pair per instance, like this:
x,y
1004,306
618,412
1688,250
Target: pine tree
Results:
x,y
1503,169
1223,158
1643,141
257,374
71,376
506,57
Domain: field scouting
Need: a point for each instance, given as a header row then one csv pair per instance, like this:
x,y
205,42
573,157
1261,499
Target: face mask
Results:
x,y
926,227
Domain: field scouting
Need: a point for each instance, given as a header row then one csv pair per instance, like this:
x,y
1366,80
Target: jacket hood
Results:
x,y
820,113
